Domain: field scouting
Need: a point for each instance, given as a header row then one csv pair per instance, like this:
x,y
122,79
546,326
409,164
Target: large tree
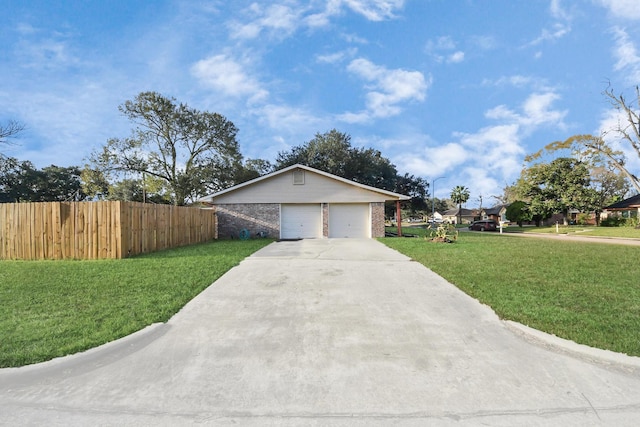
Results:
x,y
414,187
20,181
193,152
253,168
609,186
16,180
608,147
459,195
332,152
558,186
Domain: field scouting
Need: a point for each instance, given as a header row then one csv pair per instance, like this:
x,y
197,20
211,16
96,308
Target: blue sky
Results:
x,y
460,89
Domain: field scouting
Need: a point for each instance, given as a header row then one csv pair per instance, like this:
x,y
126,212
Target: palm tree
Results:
x,y
459,195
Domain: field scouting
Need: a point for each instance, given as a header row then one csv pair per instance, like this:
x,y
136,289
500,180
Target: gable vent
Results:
x,y
298,177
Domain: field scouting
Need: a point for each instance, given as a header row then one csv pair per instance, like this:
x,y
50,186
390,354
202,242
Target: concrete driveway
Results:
x,y
329,332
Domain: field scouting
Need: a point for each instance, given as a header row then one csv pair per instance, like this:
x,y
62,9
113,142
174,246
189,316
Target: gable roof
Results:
x,y
463,212
495,210
630,203
387,195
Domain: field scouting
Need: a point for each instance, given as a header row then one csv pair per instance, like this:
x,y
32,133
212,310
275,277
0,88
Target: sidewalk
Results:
x,y
579,238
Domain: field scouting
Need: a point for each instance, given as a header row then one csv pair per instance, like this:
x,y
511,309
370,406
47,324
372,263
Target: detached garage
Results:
x,y
299,202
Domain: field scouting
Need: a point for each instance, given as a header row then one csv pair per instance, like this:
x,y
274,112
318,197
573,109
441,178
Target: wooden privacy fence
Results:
x,y
94,230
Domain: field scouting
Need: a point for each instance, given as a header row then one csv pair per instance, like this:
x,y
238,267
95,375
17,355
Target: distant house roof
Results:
x,y
495,210
626,204
463,212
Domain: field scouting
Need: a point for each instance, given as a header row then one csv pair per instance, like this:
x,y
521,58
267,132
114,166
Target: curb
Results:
x,y
83,362
607,358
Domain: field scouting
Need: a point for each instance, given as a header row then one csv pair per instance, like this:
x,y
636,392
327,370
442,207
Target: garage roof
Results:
x,y
246,186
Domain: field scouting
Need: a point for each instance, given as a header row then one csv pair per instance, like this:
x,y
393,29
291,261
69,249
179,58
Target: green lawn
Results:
x,y
54,308
625,232
586,292
581,291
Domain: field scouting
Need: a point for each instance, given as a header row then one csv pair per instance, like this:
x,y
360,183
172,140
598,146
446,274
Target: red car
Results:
x,y
484,225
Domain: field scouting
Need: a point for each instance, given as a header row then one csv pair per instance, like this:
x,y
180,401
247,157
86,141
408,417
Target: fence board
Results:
x,y
93,230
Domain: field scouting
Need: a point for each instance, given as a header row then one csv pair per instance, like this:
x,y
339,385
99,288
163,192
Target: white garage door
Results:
x,y
349,220
300,221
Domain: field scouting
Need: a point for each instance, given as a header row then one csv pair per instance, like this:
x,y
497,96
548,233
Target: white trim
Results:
x,y
392,195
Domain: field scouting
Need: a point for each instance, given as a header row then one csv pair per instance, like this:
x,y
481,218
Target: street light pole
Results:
x,y
433,197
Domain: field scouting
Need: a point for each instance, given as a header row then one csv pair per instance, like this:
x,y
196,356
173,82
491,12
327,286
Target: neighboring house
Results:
x,y
628,208
301,202
437,216
451,215
496,213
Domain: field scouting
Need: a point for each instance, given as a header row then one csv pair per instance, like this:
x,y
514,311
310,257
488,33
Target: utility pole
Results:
x,y
433,197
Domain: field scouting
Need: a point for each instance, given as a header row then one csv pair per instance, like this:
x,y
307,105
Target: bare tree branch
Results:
x,y
10,130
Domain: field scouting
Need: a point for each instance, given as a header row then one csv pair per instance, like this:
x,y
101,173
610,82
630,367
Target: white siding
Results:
x,y
300,221
316,189
350,220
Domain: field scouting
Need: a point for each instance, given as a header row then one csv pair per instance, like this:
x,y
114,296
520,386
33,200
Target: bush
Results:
x,y
518,212
443,233
583,219
618,221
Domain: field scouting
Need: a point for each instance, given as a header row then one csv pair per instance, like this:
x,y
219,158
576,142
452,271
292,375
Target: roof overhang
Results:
x,y
389,195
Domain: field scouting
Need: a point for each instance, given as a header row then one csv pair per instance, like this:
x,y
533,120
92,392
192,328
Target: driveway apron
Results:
x,y
328,332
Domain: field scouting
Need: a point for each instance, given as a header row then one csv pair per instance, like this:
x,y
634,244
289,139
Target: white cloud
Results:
x,y
387,88
557,11
456,57
375,10
50,51
484,42
441,43
350,117
290,120
536,111
626,55
560,28
495,157
502,112
277,20
492,156
284,18
433,161
556,32
519,81
332,58
441,49
64,120
626,9
225,75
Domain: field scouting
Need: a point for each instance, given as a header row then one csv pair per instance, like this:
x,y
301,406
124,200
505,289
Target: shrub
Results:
x,y
583,219
619,221
443,233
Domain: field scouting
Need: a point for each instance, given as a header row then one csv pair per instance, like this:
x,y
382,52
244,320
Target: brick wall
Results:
x,y
265,217
325,220
255,217
377,219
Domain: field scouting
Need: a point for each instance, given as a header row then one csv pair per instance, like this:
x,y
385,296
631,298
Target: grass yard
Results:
x,y
624,232
585,292
54,308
